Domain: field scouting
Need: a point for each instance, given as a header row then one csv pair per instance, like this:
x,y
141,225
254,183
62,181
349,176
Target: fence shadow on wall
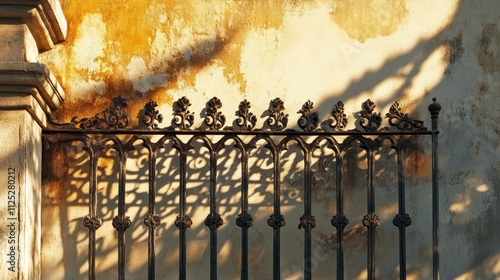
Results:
x,y
249,199
63,198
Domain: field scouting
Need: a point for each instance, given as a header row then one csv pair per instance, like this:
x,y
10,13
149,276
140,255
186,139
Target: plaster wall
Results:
x,y
324,51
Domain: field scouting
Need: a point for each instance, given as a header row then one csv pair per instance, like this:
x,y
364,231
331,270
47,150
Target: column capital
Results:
x,y
44,18
31,87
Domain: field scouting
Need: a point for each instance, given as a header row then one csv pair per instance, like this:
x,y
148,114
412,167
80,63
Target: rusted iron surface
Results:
x,y
102,132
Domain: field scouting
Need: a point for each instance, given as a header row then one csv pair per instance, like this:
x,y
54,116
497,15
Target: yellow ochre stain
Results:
x,y
175,39
367,19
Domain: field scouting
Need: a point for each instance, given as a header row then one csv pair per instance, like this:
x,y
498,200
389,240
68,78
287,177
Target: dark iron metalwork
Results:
x,y
97,132
276,220
434,110
402,219
91,221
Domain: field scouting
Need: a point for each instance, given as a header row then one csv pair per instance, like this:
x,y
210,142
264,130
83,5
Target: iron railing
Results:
x,y
95,133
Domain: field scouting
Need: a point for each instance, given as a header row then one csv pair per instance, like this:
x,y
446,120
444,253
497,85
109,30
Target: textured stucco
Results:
x,y
319,50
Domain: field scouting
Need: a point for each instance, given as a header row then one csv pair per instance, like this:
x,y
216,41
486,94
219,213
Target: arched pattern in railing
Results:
x,y
109,130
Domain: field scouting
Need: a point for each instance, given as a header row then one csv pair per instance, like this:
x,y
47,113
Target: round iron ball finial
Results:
x,y
434,107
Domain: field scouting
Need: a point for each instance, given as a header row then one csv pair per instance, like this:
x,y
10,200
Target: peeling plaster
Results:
x,y
489,51
90,43
363,20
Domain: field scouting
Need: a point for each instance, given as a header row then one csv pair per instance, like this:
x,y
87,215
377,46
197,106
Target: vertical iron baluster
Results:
x,y
182,215
121,212
91,221
277,216
152,220
182,208
371,211
339,220
245,219
340,211
213,212
402,220
152,196
371,220
434,110
401,206
121,222
276,221
244,206
307,206
213,220
307,221
183,221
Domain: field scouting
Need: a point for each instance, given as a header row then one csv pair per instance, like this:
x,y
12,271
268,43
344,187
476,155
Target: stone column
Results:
x,y
28,93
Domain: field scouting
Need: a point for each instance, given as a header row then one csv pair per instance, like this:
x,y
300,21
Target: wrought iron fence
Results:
x,y
105,131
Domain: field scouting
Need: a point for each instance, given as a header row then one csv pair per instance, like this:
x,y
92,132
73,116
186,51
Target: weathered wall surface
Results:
x,y
324,51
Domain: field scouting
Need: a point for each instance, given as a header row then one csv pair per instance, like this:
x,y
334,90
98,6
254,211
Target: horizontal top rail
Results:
x,y
251,133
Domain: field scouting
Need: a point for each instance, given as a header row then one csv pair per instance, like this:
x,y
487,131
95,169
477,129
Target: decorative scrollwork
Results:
x,y
214,221
215,120
149,116
306,221
370,121
277,120
152,220
339,120
309,120
244,220
402,220
117,117
276,221
246,119
121,222
183,222
340,222
401,120
183,119
114,117
92,221
371,220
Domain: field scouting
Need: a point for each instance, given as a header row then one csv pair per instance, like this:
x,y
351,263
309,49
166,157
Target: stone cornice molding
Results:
x,y
29,86
44,19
